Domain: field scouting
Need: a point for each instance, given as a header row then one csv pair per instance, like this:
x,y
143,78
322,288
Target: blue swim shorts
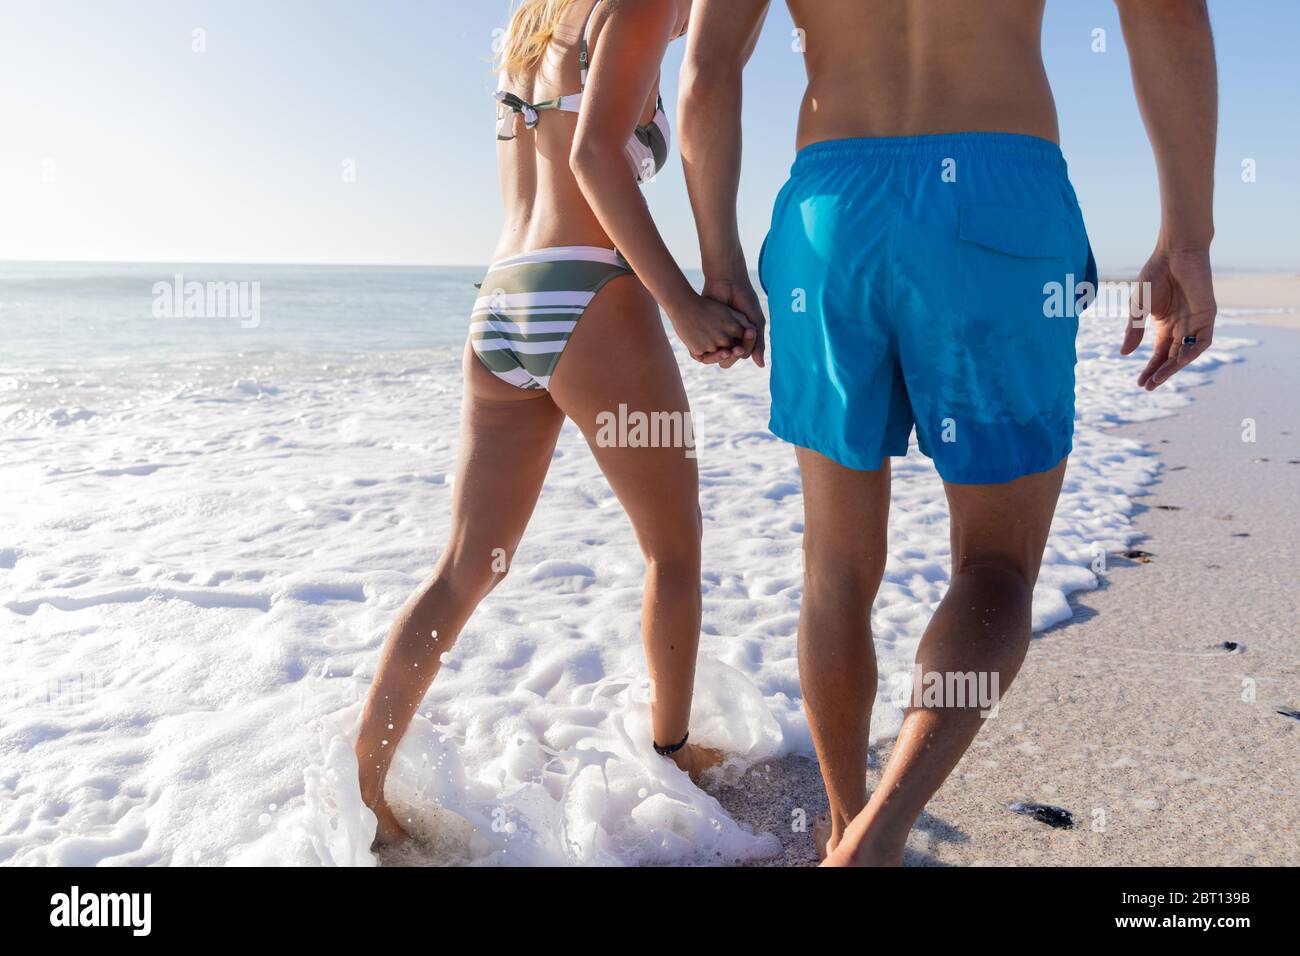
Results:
x,y
932,282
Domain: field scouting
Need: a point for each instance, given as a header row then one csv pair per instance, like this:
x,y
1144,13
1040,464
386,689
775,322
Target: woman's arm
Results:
x,y
623,72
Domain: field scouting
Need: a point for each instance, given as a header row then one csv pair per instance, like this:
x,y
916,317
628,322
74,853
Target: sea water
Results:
x,y
207,524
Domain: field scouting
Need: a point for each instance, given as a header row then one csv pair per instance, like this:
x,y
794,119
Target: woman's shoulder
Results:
x,y
638,15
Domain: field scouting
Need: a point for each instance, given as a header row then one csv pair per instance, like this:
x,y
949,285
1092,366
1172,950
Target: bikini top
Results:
x,y
647,150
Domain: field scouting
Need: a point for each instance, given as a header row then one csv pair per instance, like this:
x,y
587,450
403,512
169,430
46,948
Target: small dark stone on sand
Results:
x,y
1241,534
1230,645
1178,468
1137,555
1170,507
1056,817
1288,712
1293,461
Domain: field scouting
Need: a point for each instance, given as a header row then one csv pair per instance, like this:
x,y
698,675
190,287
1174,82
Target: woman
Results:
x,y
567,326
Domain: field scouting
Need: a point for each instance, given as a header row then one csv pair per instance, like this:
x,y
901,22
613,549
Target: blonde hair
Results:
x,y
531,29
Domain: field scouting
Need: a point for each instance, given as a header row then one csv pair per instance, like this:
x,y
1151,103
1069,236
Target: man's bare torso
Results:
x,y
910,67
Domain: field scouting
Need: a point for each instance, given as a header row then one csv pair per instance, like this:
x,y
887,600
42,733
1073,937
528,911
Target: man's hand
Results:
x,y
1181,304
719,43
740,296
713,333
1172,57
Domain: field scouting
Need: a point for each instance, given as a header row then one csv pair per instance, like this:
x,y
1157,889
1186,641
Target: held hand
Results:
x,y
711,331
739,294
1181,303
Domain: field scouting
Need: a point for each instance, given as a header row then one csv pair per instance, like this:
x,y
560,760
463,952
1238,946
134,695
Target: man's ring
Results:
x,y
1189,340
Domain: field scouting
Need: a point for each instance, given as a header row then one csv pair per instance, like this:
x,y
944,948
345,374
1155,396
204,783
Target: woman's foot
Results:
x,y
389,832
695,760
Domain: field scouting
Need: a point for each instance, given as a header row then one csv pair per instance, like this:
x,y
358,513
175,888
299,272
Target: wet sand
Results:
x,y
1167,747
1261,292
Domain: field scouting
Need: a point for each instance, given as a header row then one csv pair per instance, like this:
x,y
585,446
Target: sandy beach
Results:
x,y
204,557
1167,747
249,253
1264,299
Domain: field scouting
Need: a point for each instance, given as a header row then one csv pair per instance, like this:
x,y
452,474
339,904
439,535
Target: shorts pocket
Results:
x,y
1015,264
1014,231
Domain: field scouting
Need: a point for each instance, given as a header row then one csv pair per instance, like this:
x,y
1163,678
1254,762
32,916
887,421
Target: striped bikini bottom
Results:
x,y
529,304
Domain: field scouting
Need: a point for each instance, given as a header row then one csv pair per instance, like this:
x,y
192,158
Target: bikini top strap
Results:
x,y
584,51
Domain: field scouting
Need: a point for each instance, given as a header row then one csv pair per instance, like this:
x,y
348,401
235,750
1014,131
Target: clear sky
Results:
x,y
119,141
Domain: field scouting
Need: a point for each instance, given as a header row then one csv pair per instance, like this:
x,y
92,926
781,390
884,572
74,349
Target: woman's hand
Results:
x,y
1181,304
740,296
711,331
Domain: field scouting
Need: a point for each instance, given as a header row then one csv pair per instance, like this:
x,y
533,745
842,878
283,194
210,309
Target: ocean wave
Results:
x,y
199,563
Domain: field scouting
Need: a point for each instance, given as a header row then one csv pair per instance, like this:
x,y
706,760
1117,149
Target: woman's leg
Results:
x,y
618,367
981,627
846,515
507,438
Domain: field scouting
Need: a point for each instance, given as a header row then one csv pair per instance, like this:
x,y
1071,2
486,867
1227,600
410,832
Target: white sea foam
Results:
x,y
197,569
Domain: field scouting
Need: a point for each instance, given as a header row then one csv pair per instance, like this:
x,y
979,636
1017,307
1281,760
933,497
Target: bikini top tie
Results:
x,y
516,104
648,148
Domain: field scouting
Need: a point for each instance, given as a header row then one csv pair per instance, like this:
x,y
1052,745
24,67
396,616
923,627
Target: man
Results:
x,y
927,216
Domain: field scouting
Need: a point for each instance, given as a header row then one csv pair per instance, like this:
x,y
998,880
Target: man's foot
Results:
x,y
389,831
822,832
866,854
696,760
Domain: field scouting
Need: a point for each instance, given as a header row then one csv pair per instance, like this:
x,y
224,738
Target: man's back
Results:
x,y
926,216
910,67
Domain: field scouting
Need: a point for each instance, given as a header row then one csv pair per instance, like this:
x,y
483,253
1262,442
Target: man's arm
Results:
x,y
1171,49
720,41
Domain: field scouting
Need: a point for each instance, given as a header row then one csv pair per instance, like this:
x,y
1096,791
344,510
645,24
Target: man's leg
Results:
x,y
846,515
981,626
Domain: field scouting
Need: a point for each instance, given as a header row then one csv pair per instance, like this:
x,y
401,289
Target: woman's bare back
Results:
x,y
544,205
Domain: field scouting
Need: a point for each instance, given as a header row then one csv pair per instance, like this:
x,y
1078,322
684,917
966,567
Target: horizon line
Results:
x,y
695,267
